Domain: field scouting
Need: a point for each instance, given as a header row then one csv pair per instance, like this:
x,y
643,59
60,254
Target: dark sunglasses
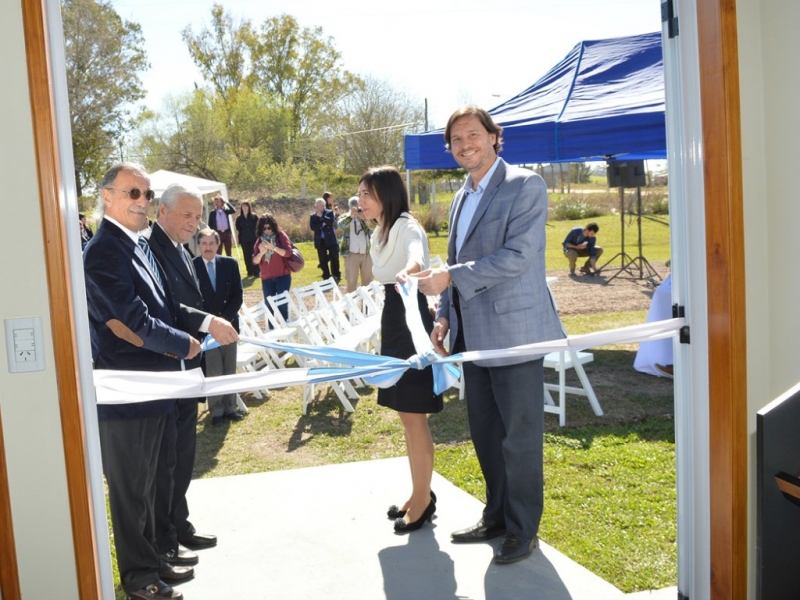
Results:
x,y
135,193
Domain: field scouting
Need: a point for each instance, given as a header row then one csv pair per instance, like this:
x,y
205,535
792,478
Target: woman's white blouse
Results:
x,y
406,241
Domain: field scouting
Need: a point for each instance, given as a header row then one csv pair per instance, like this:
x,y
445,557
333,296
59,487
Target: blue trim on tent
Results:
x,y
604,99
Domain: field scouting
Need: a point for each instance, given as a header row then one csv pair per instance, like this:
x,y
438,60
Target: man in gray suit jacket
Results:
x,y
493,294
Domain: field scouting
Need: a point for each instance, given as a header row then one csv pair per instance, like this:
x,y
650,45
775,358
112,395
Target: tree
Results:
x,y
377,117
187,136
201,133
580,173
104,56
221,53
301,69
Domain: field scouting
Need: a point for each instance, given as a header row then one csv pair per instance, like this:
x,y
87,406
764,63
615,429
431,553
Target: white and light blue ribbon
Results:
x,y
114,387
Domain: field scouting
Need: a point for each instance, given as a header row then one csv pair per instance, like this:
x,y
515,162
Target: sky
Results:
x,y
448,52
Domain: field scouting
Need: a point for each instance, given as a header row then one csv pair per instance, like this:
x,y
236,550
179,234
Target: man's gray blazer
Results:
x,y
500,272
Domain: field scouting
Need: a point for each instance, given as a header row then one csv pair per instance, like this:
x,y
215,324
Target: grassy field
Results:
x,y
610,481
610,500
655,245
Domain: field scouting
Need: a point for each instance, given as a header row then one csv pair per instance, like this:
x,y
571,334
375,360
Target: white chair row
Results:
x,y
317,315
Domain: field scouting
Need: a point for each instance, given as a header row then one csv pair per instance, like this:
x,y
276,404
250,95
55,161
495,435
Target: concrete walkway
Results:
x,y
322,533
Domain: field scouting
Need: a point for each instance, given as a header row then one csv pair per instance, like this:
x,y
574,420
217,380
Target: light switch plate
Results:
x,y
24,345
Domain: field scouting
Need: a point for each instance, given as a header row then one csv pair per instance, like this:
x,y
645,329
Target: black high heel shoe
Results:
x,y
395,513
400,525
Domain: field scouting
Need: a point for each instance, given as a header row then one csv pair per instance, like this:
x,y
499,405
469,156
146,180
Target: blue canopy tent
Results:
x,y
604,101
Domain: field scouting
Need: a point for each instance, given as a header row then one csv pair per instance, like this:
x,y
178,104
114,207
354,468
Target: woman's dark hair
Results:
x,y
267,219
484,117
249,209
386,184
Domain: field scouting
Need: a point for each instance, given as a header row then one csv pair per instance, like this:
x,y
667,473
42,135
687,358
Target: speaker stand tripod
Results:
x,y
629,264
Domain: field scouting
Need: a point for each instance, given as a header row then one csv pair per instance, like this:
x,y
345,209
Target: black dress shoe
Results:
x,y
155,591
199,540
181,556
217,420
514,548
172,574
234,416
480,532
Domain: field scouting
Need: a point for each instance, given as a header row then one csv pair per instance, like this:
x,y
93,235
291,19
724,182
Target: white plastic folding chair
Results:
x,y
561,361
309,330
260,323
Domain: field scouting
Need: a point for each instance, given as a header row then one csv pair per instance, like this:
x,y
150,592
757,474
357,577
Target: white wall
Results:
x,y
769,51
29,401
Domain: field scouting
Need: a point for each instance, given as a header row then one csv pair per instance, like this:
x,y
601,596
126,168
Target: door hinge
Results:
x,y
668,16
679,312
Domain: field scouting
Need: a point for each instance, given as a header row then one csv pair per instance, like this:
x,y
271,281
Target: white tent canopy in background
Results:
x,y
161,180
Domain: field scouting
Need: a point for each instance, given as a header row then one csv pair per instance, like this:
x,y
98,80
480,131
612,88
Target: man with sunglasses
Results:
x,y
134,326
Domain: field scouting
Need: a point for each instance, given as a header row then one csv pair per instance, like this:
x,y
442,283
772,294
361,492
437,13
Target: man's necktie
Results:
x,y
150,258
212,274
186,260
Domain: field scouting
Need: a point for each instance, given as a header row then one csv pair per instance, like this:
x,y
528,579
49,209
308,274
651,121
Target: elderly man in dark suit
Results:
x,y
218,221
179,212
494,295
134,325
221,286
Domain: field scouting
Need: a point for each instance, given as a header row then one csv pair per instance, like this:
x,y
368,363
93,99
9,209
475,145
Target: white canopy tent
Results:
x,y
161,180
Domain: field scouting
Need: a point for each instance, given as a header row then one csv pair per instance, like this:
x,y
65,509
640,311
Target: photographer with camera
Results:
x,y
582,241
355,245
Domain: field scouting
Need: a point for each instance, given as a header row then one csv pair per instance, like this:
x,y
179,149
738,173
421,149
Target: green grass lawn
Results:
x,y
610,481
610,497
655,245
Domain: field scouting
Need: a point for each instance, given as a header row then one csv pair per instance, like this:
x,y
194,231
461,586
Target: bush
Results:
x,y
655,204
572,208
425,215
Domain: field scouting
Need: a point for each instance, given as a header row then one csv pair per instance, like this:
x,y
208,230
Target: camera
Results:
x,y
359,209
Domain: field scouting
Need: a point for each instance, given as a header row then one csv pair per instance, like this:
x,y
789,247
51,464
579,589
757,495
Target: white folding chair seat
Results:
x,y
561,361
260,323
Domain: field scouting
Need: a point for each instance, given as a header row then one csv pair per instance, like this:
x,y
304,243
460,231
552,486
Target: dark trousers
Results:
x,y
274,286
247,252
175,466
225,242
130,449
505,406
329,261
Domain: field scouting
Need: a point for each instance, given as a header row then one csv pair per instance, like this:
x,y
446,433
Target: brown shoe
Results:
x,y
665,370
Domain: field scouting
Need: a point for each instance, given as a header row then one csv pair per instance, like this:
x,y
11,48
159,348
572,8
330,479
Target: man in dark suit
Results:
x,y
134,325
221,286
179,212
494,295
218,221
323,224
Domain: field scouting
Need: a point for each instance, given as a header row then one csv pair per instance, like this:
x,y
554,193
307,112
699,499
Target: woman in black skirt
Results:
x,y
399,248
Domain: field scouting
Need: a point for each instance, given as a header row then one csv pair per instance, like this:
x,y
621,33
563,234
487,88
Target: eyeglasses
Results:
x,y
135,193
267,228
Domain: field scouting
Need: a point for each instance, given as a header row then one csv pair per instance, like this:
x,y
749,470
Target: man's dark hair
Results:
x,y
484,117
593,227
